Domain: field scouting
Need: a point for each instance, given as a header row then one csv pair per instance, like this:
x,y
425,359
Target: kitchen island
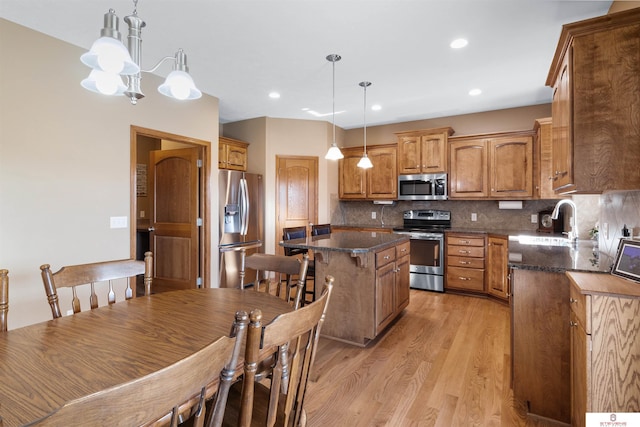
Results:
x,y
371,288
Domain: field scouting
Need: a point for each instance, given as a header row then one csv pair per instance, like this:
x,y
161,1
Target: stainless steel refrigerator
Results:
x,y
241,223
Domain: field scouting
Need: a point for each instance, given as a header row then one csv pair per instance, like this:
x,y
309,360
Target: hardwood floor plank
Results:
x,y
445,362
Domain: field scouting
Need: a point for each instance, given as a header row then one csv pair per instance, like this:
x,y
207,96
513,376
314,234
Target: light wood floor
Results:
x,y
445,362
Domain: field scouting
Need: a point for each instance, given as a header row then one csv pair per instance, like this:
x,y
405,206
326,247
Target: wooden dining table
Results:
x,y
45,365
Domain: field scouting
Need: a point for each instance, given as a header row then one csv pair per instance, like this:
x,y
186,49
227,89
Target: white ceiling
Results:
x,y
240,50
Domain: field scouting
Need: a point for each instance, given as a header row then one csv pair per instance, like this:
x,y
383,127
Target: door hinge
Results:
x,y
199,222
199,282
199,163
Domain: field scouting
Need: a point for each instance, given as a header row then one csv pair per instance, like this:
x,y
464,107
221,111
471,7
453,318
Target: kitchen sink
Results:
x,y
541,240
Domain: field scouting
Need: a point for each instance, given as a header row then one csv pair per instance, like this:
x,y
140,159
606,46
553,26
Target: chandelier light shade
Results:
x,y
334,152
365,162
109,59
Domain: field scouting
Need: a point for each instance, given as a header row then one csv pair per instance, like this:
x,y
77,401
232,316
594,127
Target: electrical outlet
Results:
x,y
534,218
142,213
373,215
474,216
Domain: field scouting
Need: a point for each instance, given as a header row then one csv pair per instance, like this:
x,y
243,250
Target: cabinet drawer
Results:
x,y
581,306
465,278
385,257
465,251
465,241
458,261
402,250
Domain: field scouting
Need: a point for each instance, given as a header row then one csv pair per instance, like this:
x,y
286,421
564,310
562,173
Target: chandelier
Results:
x,y
109,60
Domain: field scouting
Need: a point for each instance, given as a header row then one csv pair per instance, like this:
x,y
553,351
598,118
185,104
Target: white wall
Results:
x,y
65,162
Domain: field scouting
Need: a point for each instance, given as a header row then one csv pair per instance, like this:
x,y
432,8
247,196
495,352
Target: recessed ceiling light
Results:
x,y
376,107
458,43
475,92
274,95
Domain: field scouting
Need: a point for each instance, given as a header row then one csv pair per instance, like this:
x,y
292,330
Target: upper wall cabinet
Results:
x,y
423,151
377,183
543,169
232,154
595,76
495,166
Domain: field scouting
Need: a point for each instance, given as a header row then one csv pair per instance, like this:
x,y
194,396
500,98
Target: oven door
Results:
x,y
427,260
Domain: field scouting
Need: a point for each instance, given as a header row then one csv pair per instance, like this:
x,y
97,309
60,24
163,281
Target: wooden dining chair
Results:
x,y
279,401
285,269
75,276
4,299
292,233
320,229
145,400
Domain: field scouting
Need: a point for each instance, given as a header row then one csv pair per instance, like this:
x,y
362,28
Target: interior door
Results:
x,y
296,194
175,183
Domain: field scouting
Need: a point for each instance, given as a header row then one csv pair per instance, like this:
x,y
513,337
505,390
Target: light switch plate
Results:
x,y
534,218
474,216
118,221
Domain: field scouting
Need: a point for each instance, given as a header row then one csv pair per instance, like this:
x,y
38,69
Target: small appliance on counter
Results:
x,y
546,224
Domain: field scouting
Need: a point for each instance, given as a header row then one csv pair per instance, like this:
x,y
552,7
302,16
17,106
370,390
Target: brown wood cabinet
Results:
x,y
543,166
232,154
392,284
595,81
423,151
605,345
378,183
540,343
497,271
494,166
465,262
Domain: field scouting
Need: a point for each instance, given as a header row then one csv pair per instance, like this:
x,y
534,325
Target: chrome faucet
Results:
x,y
572,235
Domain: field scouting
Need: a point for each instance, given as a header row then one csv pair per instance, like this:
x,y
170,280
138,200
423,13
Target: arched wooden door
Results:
x,y
296,193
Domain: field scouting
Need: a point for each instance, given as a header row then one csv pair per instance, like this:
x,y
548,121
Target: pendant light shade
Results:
x,y
365,162
334,152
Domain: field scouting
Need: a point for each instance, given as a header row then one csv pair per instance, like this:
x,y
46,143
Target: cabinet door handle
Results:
x,y
466,242
386,257
463,278
573,300
465,262
572,323
403,250
463,252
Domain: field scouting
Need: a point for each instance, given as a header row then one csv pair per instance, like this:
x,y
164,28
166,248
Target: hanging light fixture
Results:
x,y
109,59
365,162
334,152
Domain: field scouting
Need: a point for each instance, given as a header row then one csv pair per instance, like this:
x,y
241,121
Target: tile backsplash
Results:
x,y
618,209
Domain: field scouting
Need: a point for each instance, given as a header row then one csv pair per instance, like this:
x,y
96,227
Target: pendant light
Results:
x,y
334,152
365,162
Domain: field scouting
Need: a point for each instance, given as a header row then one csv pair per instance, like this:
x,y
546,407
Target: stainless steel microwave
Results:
x,y
432,186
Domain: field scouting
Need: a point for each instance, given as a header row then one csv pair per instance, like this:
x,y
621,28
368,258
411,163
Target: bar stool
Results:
x,y
292,233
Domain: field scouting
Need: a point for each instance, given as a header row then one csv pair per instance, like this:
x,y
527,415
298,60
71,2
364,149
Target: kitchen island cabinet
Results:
x,y
371,287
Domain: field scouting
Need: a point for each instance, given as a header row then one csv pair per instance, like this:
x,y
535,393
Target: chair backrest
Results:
x,y
90,274
285,269
4,299
144,400
291,339
292,233
320,229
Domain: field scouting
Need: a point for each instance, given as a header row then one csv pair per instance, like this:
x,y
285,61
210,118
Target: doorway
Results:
x,y
185,158
296,193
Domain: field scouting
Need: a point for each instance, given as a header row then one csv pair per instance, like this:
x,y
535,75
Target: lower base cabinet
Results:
x,y
605,347
540,344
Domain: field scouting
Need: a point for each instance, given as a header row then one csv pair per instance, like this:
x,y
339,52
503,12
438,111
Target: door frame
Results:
x,y
205,240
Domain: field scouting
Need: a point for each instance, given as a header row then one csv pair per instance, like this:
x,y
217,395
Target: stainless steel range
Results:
x,y
426,228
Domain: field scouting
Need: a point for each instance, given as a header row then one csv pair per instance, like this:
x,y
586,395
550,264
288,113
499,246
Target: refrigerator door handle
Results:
x,y
244,207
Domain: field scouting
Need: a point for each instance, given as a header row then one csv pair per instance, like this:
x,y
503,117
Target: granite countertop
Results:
x,y
583,256
348,241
